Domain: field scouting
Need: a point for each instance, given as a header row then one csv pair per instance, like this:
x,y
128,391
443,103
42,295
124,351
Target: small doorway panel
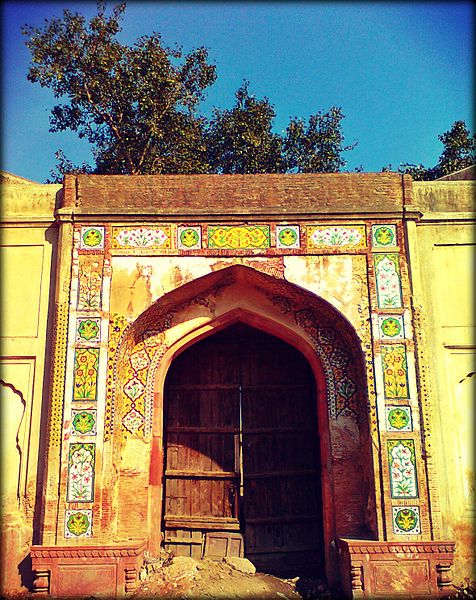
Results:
x,y
242,450
202,428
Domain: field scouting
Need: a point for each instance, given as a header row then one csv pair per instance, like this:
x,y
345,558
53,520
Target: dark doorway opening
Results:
x,y
242,451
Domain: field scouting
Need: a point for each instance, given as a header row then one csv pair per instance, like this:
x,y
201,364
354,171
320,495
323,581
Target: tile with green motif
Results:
x,y
78,523
88,330
92,238
83,421
391,327
406,520
384,236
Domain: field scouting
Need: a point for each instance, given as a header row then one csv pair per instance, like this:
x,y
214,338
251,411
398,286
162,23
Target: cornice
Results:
x,y
118,551
371,547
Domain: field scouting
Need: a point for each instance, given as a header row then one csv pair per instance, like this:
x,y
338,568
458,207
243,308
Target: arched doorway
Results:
x,y
242,451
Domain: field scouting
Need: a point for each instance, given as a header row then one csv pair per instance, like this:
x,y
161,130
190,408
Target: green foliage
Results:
x,y
459,152
65,165
459,149
135,104
138,107
241,140
316,147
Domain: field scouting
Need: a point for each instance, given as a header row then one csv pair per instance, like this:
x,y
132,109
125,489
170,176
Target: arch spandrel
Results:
x,y
145,349
205,301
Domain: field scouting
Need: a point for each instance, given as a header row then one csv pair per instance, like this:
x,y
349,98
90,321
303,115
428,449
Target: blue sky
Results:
x,y
401,72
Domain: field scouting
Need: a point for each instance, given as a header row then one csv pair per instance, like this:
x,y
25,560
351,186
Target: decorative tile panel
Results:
x,y
92,238
287,236
78,523
337,236
402,467
141,237
387,274
189,238
238,237
406,520
90,282
394,365
81,472
117,326
399,418
391,327
133,421
85,373
384,236
83,422
88,330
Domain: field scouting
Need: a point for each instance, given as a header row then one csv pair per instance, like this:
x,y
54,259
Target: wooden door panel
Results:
x,y
201,432
199,452
242,384
282,503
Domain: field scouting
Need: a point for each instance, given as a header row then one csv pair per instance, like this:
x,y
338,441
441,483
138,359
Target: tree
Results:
x,y
136,105
459,152
459,149
316,147
241,140
65,165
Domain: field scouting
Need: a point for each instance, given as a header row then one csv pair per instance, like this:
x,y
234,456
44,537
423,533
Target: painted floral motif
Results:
x,y
346,387
81,472
133,420
83,422
387,274
134,388
92,238
287,236
406,520
189,238
88,330
394,364
78,523
401,460
339,358
338,236
238,237
384,235
391,327
85,373
141,237
90,282
117,326
399,418
139,360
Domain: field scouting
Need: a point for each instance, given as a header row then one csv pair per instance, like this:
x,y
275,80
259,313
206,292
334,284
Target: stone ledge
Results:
x,y
371,547
85,551
379,569
65,571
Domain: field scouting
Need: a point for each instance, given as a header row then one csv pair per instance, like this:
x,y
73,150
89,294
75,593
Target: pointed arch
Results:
x,y
146,348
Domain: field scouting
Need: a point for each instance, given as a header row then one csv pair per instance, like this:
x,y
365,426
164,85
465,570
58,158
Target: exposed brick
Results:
x,y
329,193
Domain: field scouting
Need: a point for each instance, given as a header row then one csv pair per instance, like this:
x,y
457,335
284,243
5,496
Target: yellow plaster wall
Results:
x,y
138,281
441,250
442,253
26,253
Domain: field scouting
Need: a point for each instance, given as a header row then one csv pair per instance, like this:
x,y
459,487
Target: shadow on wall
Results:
x,y
26,573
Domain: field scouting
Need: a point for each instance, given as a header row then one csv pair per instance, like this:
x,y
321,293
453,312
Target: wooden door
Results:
x,y
202,445
242,451
282,497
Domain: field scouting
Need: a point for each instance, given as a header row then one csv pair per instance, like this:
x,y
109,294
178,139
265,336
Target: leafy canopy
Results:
x,y
135,105
241,140
316,147
138,107
459,152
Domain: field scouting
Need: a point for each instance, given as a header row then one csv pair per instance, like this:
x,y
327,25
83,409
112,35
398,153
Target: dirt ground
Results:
x,y
187,578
